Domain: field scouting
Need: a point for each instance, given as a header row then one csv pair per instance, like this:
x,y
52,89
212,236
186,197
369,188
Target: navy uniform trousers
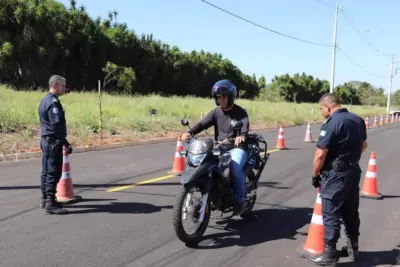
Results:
x,y
340,200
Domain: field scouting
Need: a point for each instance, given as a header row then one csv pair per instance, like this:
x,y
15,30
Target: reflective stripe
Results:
x,y
317,219
319,201
66,175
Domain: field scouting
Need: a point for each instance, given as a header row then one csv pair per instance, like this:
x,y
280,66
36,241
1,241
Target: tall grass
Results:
x,y
129,118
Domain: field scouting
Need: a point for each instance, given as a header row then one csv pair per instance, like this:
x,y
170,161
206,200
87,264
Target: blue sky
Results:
x,y
194,25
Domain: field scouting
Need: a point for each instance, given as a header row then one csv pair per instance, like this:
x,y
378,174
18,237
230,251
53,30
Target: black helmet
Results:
x,y
224,87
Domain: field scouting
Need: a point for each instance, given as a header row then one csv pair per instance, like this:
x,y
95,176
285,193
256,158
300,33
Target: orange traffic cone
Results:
x,y
280,142
179,161
370,186
308,137
65,189
314,244
387,119
392,118
381,122
375,123
367,122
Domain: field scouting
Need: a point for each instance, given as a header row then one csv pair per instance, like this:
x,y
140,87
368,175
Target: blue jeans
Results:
x,y
239,159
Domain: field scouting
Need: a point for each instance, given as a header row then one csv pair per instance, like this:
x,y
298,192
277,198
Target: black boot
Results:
x,y
43,202
328,258
352,249
238,208
52,207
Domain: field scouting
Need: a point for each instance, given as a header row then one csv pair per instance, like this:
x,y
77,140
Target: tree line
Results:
x,y
39,38
305,88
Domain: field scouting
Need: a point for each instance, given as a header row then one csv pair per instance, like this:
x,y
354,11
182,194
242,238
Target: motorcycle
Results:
x,y
207,170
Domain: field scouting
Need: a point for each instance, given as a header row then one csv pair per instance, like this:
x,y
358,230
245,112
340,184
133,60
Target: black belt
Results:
x,y
50,139
346,163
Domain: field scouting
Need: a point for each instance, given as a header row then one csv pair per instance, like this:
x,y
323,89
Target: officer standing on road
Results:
x,y
53,131
336,170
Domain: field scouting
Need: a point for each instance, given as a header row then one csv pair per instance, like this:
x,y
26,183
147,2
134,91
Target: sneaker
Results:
x,y
238,208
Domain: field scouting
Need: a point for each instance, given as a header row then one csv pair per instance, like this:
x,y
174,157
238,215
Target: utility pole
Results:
x,y
334,50
390,86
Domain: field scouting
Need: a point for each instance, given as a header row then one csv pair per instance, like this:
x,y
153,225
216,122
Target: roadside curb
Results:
x,y
35,155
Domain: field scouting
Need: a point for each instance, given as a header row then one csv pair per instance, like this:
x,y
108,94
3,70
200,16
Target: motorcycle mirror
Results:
x,y
237,125
185,122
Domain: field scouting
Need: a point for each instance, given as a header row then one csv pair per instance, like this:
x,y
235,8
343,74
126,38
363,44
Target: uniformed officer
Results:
x,y
342,140
53,131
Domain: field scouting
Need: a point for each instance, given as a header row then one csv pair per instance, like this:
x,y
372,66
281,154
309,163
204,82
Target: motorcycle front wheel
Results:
x,y
186,205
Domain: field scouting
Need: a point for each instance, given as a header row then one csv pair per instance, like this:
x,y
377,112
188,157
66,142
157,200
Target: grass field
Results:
x,y
128,118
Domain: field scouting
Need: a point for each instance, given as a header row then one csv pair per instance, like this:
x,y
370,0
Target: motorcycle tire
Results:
x,y
249,208
177,218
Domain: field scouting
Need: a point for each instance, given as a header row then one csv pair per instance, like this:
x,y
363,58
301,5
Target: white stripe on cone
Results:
x,y
319,201
317,219
66,175
371,175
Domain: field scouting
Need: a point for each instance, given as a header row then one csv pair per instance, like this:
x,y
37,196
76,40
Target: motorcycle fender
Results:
x,y
191,174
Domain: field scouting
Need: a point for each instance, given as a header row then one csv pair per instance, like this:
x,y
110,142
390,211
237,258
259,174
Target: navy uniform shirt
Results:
x,y
52,117
343,134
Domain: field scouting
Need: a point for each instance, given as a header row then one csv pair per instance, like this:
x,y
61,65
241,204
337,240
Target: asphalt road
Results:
x,y
133,226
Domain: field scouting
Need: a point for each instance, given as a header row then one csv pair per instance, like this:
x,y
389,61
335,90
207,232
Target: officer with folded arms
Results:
x,y
53,131
336,171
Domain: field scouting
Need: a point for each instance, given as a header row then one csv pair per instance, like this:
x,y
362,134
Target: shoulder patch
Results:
x,y
322,133
55,110
55,99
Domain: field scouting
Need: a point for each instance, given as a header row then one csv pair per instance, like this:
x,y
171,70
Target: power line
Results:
x,y
355,63
356,29
328,5
298,39
358,32
265,28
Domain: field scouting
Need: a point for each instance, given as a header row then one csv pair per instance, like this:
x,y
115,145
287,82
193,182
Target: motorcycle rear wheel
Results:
x,y
249,207
177,217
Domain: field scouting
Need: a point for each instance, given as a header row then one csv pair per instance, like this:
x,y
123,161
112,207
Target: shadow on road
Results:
x,y
110,185
28,187
272,185
390,196
263,226
370,259
117,208
291,148
96,199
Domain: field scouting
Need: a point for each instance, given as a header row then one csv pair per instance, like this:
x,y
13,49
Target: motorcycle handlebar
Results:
x,y
231,140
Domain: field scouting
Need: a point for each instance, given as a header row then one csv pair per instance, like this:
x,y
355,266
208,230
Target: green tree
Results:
x,y
39,38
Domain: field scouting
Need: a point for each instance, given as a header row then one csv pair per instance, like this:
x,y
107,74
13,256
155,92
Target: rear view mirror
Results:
x,y
237,125
185,122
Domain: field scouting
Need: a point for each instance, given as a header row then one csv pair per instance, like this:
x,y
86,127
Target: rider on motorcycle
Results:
x,y
224,93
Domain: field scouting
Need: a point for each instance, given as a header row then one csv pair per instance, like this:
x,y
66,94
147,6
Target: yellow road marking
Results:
x,y
120,188
271,151
140,183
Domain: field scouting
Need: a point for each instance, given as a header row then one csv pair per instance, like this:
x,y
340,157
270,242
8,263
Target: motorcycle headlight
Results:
x,y
195,160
